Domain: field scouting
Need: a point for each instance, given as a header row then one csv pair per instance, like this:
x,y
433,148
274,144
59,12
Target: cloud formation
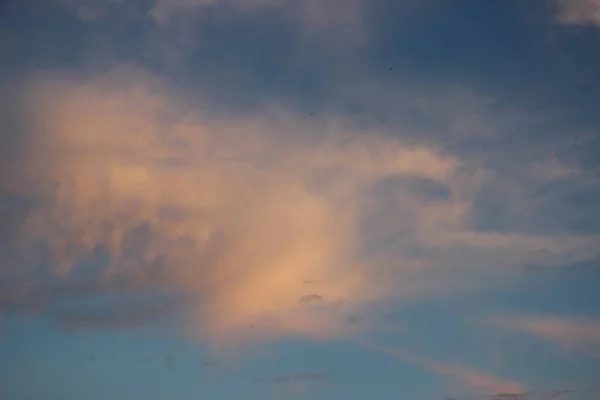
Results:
x,y
133,187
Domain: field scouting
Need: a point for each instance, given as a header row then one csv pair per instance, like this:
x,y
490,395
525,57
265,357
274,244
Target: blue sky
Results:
x,y
327,199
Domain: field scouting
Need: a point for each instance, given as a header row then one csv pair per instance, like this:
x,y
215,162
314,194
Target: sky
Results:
x,y
317,199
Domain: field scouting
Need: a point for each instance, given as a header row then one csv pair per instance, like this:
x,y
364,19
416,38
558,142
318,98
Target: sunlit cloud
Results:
x,y
235,214
235,193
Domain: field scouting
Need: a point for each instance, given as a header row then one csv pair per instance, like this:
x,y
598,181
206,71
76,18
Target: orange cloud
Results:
x,y
238,213
229,203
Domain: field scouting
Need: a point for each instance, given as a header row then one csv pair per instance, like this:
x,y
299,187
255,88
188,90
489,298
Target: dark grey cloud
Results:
x,y
115,317
422,188
14,209
564,204
508,396
558,394
40,292
311,298
87,357
94,303
169,360
217,366
14,205
303,377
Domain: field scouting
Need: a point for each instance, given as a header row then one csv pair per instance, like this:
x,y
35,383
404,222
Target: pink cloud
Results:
x,y
466,376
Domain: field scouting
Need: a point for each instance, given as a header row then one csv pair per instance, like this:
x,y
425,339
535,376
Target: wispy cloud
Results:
x,y
568,331
238,213
313,14
466,376
169,360
172,30
579,12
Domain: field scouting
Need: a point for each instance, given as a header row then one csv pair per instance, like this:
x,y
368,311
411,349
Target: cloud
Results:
x,y
169,360
135,187
579,12
311,15
468,377
568,331
171,32
508,396
91,10
558,394
117,316
302,377
218,367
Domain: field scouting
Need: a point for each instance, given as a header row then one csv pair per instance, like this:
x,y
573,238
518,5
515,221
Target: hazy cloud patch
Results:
x,y
579,12
464,375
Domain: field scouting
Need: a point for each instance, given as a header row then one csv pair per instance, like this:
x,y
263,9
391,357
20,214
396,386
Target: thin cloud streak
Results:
x,y
575,332
173,28
579,12
466,376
